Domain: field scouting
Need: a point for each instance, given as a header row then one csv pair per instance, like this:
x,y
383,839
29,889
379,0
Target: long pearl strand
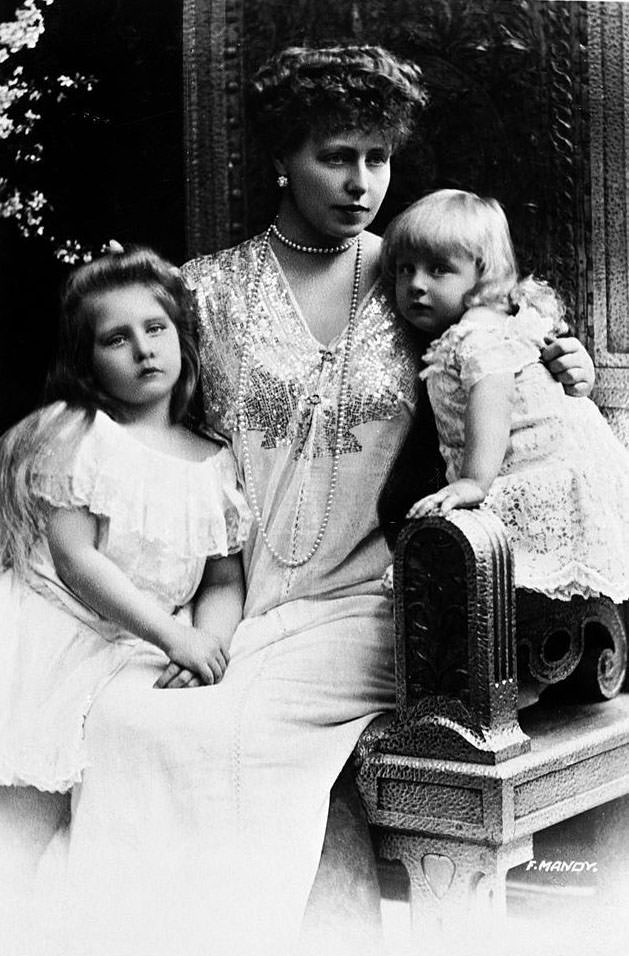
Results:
x,y
316,250
341,411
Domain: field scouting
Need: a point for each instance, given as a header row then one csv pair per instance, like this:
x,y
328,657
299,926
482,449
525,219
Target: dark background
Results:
x,y
112,166
506,118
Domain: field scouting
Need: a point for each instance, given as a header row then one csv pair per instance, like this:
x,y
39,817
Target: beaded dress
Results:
x,y
563,488
206,808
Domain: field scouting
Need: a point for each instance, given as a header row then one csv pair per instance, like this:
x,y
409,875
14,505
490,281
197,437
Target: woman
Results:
x,y
198,827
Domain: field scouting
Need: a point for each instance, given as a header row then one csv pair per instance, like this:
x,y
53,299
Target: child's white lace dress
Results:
x,y
159,518
563,489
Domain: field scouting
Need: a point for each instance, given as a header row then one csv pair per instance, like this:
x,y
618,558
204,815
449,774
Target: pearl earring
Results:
x,y
282,181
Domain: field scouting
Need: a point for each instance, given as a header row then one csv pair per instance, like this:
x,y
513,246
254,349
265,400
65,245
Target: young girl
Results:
x,y
547,464
110,508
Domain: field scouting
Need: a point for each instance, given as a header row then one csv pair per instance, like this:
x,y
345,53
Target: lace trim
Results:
x,y
191,509
575,580
54,781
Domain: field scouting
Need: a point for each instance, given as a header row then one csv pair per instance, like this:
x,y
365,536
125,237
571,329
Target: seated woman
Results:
x,y
199,824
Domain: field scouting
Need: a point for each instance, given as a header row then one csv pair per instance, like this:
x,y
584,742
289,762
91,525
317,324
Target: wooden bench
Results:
x,y
457,784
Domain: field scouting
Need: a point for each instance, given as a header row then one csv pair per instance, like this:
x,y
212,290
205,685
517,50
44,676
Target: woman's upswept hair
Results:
x,y
305,90
72,379
455,222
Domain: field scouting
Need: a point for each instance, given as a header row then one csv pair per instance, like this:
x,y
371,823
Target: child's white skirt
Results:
x,y
54,664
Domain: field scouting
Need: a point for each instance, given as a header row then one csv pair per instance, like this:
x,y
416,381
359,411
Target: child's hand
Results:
x,y
194,653
174,677
464,493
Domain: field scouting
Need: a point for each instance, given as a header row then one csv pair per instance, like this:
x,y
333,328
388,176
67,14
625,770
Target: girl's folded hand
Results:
x,y
194,653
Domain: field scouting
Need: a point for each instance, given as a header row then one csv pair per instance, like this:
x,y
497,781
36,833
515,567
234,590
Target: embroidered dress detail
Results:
x,y
289,365
563,488
114,476
158,519
293,561
249,762
290,408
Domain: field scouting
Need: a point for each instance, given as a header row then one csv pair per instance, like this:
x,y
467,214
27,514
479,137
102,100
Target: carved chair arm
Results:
x,y
455,631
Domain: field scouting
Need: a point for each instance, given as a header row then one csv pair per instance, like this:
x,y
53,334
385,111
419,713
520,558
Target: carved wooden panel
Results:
x,y
528,103
506,113
455,641
608,317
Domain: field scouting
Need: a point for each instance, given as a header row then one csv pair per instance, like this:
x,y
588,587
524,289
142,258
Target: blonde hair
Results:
x,y
455,222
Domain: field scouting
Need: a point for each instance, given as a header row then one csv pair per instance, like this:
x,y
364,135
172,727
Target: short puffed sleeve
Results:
x,y
491,345
189,509
51,474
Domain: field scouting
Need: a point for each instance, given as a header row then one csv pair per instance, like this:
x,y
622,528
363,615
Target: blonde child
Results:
x,y
114,515
546,463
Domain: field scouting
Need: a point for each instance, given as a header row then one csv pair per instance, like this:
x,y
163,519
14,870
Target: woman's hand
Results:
x,y
570,364
464,493
197,657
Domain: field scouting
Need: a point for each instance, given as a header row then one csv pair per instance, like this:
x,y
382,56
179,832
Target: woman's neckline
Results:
x,y
299,313
135,440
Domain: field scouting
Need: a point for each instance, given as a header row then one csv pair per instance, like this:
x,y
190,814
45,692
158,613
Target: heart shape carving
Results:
x,y
439,872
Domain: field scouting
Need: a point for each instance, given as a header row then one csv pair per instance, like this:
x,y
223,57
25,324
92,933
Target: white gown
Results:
x,y
563,488
197,827
158,520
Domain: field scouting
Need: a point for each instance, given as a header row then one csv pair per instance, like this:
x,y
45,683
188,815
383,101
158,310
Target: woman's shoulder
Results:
x,y
202,269
371,243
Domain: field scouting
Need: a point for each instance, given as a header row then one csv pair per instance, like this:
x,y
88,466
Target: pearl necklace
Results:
x,y
316,250
341,411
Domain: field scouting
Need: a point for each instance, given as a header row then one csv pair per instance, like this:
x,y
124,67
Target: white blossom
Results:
x,y
29,208
24,31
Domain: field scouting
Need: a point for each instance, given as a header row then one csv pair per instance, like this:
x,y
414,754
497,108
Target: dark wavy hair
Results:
x,y
72,379
305,90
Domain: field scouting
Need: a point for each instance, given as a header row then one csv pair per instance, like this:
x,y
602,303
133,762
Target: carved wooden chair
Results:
x,y
457,784
534,94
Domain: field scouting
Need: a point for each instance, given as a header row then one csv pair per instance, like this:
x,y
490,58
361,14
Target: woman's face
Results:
x,y
336,182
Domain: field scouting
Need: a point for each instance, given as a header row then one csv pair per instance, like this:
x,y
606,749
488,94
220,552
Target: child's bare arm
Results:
x,y
96,580
217,613
487,428
219,601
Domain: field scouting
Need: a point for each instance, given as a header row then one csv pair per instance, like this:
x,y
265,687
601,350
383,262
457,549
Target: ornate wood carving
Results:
x,y
443,790
528,103
608,325
455,642
506,114
455,885
581,640
214,133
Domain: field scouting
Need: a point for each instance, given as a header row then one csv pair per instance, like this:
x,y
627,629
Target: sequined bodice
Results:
x,y
291,406
291,372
